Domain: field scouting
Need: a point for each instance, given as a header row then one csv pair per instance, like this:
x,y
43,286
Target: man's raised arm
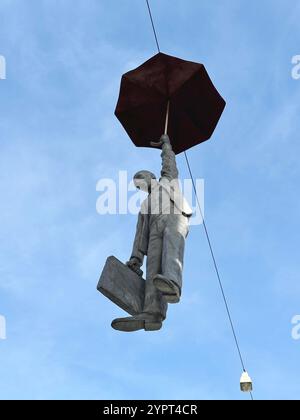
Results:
x,y
169,167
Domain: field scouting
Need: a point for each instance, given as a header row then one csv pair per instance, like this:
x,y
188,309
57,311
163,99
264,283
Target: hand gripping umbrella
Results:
x,y
168,92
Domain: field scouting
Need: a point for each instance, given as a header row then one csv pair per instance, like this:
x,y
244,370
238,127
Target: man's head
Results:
x,y
142,180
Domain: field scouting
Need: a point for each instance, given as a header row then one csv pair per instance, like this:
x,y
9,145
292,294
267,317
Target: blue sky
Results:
x,y
59,137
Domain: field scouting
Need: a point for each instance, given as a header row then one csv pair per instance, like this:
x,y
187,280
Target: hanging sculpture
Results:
x,y
174,96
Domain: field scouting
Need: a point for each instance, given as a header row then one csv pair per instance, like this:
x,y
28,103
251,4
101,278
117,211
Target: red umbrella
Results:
x,y
169,84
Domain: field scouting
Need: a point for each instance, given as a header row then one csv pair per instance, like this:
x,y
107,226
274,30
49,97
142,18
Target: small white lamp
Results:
x,y
246,382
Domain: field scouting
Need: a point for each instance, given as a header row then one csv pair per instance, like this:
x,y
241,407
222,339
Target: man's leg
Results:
x,y
155,306
154,302
170,281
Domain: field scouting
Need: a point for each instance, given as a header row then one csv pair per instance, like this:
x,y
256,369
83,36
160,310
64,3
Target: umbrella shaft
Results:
x,y
167,118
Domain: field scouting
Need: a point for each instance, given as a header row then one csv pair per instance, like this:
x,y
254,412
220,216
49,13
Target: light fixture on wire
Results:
x,y
246,382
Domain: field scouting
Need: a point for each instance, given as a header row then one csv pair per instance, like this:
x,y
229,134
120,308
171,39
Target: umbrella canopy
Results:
x,y
195,106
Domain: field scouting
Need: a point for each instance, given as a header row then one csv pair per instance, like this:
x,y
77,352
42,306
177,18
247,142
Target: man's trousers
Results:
x,y
165,256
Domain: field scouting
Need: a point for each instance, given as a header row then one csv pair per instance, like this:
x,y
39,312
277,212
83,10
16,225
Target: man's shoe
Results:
x,y
171,292
145,322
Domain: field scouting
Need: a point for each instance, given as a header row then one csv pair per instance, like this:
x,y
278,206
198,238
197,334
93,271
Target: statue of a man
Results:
x,y
162,228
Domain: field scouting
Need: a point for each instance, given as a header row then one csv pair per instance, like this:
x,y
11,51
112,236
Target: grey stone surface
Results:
x,y
122,286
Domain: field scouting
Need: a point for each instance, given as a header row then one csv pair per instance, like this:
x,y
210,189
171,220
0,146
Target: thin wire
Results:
x,y
216,269
205,228
215,264
153,27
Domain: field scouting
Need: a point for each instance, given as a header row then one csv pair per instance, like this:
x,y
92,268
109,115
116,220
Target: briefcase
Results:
x,y
122,286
